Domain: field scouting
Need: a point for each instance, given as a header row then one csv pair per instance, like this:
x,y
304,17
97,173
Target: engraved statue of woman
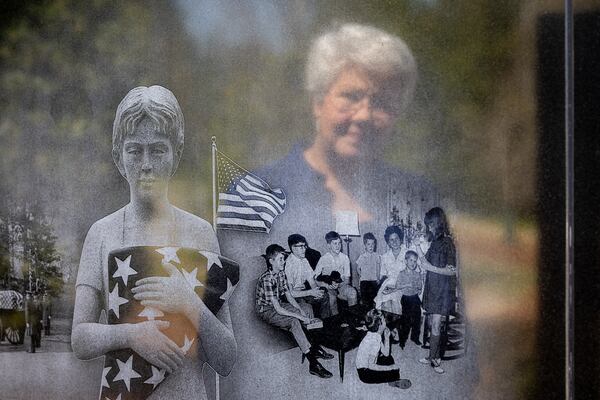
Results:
x,y
155,269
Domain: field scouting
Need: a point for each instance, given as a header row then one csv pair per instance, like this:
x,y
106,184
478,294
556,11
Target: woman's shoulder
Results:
x,y
195,231
107,226
191,221
447,241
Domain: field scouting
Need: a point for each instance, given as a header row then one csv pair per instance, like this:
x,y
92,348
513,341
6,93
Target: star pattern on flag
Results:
x,y
151,313
228,291
104,372
227,173
124,270
117,398
211,259
136,378
158,375
126,372
115,301
192,277
169,254
187,344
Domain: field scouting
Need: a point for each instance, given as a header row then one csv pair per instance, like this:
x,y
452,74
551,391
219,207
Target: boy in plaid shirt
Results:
x,y
271,290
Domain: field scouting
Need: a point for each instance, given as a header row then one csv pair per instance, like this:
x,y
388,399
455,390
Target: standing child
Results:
x,y
410,283
440,282
367,266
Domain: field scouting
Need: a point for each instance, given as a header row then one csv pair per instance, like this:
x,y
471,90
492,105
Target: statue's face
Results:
x,y
147,160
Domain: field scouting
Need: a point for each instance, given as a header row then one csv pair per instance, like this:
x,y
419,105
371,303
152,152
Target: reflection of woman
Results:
x,y
392,262
359,80
440,283
374,363
148,136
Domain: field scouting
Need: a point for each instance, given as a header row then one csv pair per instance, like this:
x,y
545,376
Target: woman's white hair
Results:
x,y
363,46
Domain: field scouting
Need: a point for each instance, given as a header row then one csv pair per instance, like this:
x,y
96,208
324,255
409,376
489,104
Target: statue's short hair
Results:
x,y
156,103
363,46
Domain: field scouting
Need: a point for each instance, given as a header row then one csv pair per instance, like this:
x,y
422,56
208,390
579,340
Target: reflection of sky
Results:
x,y
238,22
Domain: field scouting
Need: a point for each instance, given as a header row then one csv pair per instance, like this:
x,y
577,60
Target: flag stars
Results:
x,y
192,278
124,270
151,313
230,289
115,301
126,372
187,344
158,375
169,254
211,259
105,371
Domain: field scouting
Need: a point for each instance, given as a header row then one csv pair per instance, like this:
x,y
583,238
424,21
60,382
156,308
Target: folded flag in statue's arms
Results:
x,y
126,375
246,202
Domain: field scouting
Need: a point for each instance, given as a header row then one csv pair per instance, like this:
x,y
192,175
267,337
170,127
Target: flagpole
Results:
x,y
214,180
213,139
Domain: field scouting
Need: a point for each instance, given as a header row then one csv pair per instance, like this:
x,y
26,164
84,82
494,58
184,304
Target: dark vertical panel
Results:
x,y
551,207
587,205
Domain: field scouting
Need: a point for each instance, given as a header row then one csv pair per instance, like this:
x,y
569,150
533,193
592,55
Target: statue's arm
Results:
x,y
217,343
89,338
215,332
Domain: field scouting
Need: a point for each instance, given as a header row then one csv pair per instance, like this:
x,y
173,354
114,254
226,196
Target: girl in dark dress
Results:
x,y
440,282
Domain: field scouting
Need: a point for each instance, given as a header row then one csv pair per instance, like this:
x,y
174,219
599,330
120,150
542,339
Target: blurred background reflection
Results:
x,y
237,71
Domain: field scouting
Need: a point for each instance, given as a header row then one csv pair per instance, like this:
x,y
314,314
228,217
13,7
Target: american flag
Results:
x,y
213,278
246,202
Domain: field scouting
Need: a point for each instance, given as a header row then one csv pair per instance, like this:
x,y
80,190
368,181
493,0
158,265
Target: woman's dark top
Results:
x,y
439,295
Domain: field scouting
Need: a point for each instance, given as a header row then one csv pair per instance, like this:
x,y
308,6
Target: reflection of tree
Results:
x,y
5,265
28,255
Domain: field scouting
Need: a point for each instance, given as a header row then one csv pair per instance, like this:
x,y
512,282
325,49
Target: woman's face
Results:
x,y
432,226
355,114
147,160
278,262
394,241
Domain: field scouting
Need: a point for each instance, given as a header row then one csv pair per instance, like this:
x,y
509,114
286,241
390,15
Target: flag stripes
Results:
x,y
246,202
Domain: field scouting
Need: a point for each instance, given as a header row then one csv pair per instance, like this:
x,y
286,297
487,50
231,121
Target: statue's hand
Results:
x,y
152,345
171,294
